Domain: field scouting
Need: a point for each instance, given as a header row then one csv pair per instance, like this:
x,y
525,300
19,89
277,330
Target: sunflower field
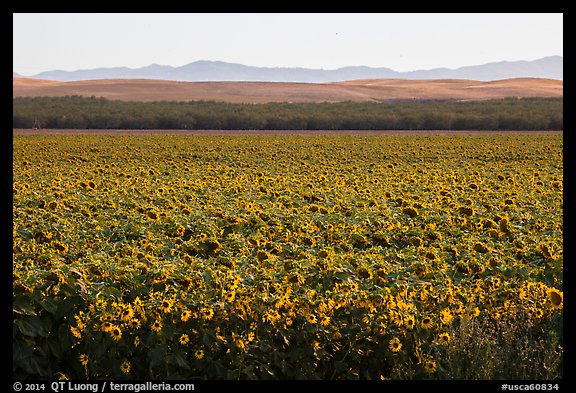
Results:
x,y
416,256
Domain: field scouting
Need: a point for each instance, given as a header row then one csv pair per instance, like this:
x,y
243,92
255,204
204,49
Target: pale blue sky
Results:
x,y
403,42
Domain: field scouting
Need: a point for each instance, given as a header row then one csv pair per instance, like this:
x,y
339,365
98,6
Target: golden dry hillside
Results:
x,y
260,92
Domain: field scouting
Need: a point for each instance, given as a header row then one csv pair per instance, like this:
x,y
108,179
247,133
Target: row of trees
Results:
x,y
99,113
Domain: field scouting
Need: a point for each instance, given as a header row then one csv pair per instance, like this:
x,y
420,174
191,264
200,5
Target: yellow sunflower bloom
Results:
x,y
395,345
556,298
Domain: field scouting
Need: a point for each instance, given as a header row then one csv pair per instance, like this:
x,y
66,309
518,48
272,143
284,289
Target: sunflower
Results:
x,y
125,367
396,318
127,313
157,326
537,313
138,304
545,250
415,241
296,278
107,326
430,366
475,311
199,354
494,234
230,296
166,305
240,344
444,338
116,333
179,231
325,321
83,359
186,314
75,332
427,322
184,339
504,225
311,318
446,316
466,211
134,323
481,248
410,211
60,247
410,322
556,298
207,313
395,345
42,236
364,273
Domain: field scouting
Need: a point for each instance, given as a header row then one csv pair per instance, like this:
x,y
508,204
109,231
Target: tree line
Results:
x,y
77,112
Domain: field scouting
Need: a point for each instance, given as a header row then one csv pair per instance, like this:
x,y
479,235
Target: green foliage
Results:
x,y
99,113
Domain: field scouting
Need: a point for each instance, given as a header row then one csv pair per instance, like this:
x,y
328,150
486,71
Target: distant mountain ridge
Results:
x,y
203,70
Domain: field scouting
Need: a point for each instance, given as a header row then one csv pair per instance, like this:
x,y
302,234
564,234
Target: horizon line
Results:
x,y
279,67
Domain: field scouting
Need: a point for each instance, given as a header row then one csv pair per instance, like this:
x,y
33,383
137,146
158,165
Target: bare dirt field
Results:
x,y
262,92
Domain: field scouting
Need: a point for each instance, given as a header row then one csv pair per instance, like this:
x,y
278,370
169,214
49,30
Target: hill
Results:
x,y
375,90
203,71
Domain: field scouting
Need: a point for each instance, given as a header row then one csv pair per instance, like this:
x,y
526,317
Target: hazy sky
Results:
x,y
403,42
